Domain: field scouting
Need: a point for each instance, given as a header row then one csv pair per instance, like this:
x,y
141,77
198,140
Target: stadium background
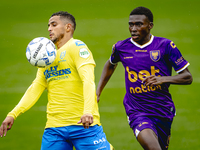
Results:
x,y
100,24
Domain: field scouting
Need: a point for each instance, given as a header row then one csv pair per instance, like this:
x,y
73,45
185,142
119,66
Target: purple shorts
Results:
x,y
161,127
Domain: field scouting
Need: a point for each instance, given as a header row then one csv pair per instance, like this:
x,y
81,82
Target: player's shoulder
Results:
x,y
76,45
162,40
72,45
165,42
123,43
79,48
77,42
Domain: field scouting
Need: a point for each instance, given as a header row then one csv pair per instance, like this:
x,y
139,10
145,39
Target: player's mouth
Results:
x,y
50,35
135,36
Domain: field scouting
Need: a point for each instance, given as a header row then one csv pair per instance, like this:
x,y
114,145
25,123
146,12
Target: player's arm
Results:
x,y
184,77
107,72
86,73
179,64
27,101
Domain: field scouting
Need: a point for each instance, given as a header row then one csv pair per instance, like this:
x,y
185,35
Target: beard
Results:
x,y
57,39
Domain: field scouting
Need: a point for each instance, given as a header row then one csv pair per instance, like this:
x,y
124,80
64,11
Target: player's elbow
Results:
x,y
189,79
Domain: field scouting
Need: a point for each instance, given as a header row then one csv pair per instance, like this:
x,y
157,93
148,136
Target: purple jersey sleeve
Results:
x,y
114,58
176,58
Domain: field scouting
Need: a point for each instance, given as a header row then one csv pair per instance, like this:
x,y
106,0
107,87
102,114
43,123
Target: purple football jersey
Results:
x,y
157,57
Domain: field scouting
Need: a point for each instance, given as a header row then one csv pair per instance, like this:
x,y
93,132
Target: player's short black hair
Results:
x,y
143,11
67,15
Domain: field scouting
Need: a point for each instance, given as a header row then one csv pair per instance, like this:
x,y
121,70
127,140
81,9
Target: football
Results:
x,y
41,52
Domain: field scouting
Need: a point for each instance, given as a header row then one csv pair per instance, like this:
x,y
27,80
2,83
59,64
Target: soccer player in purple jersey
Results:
x,y
148,62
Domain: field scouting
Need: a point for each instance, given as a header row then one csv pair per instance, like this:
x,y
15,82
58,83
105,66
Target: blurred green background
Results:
x,y
100,24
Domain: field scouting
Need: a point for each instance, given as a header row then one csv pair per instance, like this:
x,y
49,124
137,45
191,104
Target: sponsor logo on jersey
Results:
x,y
172,44
179,60
54,72
142,123
155,55
84,53
143,88
141,75
140,50
128,57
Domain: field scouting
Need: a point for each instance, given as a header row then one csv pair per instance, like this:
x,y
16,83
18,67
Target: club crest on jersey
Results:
x,y
62,55
155,55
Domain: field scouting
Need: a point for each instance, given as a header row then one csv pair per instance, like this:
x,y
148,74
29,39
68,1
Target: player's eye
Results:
x,y
131,24
54,24
139,24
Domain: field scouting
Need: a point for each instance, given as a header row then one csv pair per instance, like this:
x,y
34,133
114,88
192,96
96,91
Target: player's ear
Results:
x,y
150,25
68,27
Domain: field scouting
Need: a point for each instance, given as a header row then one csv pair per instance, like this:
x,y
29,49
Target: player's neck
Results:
x,y
145,40
64,40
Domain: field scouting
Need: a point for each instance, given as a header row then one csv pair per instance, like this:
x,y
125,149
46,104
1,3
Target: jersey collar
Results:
x,y
144,45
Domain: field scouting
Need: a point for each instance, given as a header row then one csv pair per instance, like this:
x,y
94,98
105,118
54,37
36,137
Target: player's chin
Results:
x,y
138,40
53,40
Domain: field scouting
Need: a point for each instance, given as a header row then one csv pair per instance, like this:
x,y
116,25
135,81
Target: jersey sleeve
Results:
x,y
30,97
86,74
81,54
40,77
114,58
176,59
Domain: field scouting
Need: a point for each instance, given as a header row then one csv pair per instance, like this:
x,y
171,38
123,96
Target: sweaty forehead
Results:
x,y
137,18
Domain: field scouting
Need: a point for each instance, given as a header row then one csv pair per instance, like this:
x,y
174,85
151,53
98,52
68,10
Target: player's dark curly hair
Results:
x,y
67,15
143,11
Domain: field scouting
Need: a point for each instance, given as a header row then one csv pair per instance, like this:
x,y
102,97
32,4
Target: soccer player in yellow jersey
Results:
x,y
72,112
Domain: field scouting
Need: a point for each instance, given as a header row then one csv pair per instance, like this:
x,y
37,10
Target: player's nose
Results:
x,y
133,28
49,28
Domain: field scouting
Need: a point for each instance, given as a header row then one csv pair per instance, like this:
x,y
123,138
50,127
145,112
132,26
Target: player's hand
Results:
x,y
6,125
86,120
152,80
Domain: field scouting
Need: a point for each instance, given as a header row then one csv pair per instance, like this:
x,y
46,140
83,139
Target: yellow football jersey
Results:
x,y
68,95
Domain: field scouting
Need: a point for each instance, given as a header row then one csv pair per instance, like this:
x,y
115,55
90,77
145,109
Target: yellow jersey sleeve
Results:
x,y
40,78
86,73
84,63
